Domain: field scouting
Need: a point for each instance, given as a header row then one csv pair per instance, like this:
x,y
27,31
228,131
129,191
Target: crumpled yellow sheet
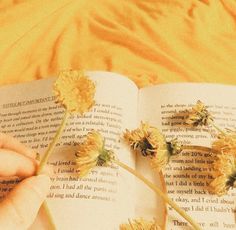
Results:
x,y
149,41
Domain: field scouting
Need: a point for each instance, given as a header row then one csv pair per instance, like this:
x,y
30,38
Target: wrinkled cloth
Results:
x,y
149,41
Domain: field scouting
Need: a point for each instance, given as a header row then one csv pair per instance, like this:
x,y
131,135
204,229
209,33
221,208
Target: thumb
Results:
x,y
19,209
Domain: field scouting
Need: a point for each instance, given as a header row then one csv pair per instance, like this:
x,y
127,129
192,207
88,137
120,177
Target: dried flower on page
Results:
x,y
92,153
152,144
199,115
224,175
140,224
75,91
174,147
225,143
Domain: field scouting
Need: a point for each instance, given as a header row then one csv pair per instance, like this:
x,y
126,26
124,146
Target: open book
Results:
x,y
109,196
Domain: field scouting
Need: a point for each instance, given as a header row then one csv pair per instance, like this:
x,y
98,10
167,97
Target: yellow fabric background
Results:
x,y
149,41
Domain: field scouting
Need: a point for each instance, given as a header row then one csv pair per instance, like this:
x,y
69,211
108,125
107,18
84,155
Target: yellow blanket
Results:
x,y
149,41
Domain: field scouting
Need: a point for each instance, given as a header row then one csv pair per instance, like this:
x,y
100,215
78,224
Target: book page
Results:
x,y
148,205
188,175
106,197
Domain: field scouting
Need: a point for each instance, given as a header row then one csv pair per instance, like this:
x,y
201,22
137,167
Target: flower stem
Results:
x,y
44,161
160,193
49,216
217,128
50,149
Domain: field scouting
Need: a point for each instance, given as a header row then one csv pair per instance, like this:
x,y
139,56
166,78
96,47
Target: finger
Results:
x,y
20,207
8,142
15,164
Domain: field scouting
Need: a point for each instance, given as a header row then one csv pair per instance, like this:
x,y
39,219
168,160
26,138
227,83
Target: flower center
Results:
x,y
104,157
146,148
231,180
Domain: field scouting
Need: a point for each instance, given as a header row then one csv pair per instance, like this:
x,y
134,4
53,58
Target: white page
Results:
x,y
107,196
158,105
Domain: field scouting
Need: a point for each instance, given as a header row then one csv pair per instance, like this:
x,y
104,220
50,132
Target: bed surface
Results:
x,y
149,41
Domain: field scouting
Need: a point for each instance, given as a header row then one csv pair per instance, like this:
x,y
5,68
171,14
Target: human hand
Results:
x,y
20,207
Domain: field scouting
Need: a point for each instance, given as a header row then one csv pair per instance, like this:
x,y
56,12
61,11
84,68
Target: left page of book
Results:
x,y
106,197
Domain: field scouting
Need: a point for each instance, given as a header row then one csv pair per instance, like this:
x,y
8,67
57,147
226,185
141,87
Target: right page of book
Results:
x,y
188,175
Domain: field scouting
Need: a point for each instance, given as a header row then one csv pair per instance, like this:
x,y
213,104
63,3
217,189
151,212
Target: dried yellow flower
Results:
x,y
75,91
150,143
92,153
224,175
140,224
199,115
174,147
226,143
